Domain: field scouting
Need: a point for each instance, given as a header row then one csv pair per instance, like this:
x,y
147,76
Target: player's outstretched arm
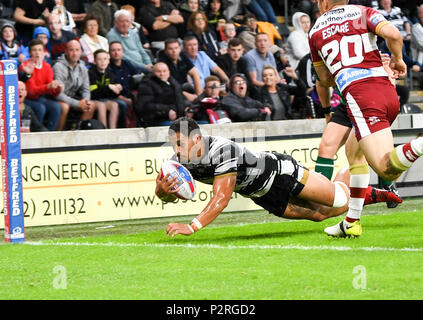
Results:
x,y
223,187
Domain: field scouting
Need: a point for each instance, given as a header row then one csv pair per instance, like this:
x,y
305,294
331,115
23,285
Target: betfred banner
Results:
x,y
11,152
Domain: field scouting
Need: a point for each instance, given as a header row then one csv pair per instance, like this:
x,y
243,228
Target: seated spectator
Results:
x,y
258,58
297,46
160,99
181,68
206,37
27,115
71,71
124,72
228,33
42,87
186,9
199,107
397,18
104,90
30,14
91,41
263,10
104,10
133,49
138,28
277,95
65,16
240,106
161,19
58,37
250,29
214,13
233,62
204,64
43,34
10,48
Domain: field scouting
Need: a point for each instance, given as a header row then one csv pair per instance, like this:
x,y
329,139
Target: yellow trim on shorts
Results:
x,y
380,25
305,177
362,168
395,161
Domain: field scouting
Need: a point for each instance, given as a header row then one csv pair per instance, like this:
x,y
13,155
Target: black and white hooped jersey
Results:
x,y
255,170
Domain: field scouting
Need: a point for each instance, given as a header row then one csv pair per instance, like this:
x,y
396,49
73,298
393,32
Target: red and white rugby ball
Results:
x,y
185,181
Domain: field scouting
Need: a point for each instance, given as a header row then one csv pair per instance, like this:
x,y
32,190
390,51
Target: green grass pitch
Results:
x,y
244,256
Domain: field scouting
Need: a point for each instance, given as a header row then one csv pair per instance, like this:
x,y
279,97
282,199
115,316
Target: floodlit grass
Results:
x,y
240,256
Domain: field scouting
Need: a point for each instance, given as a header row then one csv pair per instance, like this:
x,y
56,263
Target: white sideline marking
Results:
x,y
229,247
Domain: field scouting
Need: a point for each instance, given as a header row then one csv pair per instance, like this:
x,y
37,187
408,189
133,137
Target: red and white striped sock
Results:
x,y
359,181
403,156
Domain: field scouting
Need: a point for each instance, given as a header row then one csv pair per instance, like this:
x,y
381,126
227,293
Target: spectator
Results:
x,y
204,64
212,90
297,46
229,32
29,14
250,29
214,13
206,37
240,106
125,73
138,27
26,113
41,87
71,71
161,19
160,99
181,68
396,17
277,95
58,37
104,10
91,41
66,18
104,90
133,49
186,9
233,62
258,58
43,34
9,46
417,37
263,10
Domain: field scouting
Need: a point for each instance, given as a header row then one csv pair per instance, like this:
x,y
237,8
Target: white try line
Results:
x,y
228,247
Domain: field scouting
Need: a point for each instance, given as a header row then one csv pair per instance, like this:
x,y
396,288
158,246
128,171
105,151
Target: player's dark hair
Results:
x,y
186,126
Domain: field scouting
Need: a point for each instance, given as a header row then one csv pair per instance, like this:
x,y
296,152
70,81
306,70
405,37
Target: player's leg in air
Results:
x,y
321,199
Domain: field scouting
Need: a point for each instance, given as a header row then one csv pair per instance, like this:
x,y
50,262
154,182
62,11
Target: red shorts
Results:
x,y
372,105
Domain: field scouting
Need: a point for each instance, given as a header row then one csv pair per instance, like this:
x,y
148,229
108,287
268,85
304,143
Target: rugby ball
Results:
x,y
185,181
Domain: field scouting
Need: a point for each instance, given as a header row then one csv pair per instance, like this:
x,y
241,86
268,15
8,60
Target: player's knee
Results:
x,y
341,195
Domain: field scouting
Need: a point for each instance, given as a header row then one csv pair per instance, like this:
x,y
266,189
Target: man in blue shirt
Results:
x,y
258,58
204,64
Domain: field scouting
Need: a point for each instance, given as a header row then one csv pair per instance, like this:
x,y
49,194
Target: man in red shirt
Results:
x,y
345,53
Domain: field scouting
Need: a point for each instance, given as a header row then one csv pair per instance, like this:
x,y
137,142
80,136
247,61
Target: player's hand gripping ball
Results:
x,y
185,182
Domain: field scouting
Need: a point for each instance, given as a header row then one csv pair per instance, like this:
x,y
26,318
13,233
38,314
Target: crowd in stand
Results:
x,y
121,65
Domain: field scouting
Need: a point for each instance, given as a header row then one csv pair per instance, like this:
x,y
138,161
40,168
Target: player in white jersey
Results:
x,y
276,182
